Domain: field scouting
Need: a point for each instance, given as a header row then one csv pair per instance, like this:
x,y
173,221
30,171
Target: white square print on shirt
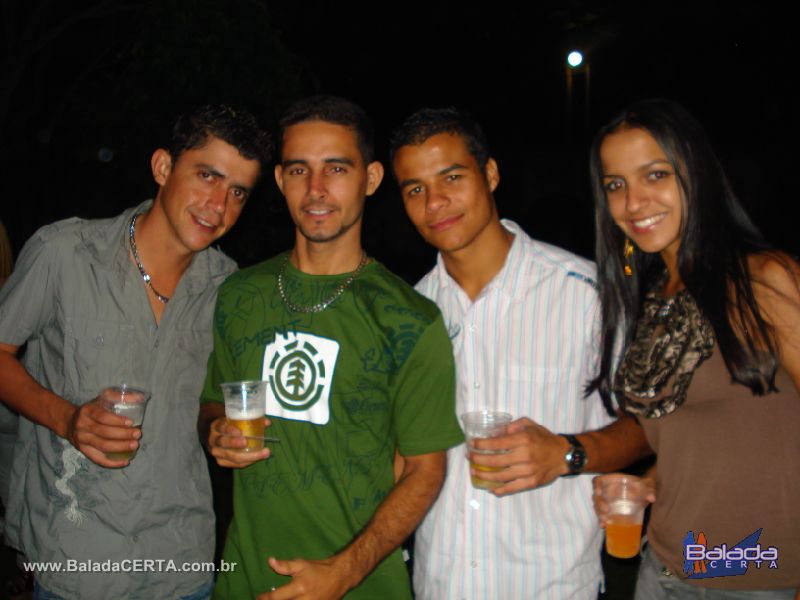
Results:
x,y
299,368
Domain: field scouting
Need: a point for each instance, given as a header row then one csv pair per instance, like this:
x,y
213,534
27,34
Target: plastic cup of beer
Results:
x,y
125,401
625,496
245,405
484,424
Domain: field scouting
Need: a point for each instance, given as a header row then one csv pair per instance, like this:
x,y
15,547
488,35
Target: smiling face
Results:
x,y
641,186
203,192
446,194
325,182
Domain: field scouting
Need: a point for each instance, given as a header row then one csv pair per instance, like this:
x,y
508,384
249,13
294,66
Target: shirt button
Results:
x,y
477,384
99,340
474,564
135,538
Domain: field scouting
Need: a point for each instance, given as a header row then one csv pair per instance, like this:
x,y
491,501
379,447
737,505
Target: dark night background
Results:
x,y
88,90
89,87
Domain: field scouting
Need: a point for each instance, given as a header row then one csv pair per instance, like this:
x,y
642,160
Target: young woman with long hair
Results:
x,y
701,342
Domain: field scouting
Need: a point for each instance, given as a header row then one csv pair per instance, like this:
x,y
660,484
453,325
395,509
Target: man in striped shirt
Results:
x,y
522,316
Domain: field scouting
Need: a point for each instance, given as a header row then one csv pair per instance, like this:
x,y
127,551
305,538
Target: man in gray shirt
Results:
x,y
124,300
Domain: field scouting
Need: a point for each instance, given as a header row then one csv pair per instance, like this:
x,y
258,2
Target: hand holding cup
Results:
x,y
107,436
237,440
620,501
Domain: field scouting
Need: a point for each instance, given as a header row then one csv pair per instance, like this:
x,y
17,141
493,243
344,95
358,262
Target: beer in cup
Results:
x,y
481,425
625,496
129,402
245,405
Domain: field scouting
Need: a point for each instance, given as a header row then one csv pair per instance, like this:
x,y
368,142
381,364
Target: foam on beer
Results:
x,y
239,414
624,507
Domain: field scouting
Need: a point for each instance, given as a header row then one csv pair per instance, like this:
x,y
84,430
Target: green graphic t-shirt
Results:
x,y
371,373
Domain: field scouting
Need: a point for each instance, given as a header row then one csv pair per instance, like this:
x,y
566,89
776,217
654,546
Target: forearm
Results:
x,y
615,446
397,516
21,392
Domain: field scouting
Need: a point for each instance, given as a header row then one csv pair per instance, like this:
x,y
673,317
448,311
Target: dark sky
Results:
x,y
100,74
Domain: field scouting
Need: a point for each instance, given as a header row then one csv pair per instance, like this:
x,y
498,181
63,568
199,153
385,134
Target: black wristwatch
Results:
x,y
575,456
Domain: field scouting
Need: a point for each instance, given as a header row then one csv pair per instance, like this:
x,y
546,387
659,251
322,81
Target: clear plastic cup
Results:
x,y
245,405
485,424
126,401
626,499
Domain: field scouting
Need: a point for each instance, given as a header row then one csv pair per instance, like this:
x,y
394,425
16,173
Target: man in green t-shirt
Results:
x,y
359,367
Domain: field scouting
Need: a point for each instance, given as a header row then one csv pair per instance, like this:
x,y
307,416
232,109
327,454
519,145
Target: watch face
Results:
x,y
576,457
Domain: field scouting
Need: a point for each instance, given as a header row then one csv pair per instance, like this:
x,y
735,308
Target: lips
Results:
x,y
208,224
318,212
647,224
445,223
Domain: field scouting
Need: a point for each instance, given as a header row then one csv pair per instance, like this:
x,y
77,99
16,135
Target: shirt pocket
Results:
x,y
545,394
97,354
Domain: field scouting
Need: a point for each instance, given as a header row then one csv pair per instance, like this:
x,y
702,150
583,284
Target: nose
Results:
x,y
636,198
435,199
218,199
316,185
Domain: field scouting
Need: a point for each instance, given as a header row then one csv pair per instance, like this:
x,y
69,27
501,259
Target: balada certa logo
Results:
x,y
700,561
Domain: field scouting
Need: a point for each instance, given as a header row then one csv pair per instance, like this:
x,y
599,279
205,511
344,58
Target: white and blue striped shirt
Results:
x,y
527,345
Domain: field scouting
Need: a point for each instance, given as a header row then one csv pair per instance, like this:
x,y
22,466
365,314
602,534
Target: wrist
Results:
x,y
349,567
64,423
575,458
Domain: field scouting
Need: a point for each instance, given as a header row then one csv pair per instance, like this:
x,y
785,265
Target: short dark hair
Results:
x,y
427,122
237,127
335,110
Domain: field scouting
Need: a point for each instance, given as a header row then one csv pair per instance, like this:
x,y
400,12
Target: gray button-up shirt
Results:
x,y
79,303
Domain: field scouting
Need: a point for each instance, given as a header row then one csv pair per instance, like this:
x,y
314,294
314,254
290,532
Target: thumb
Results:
x,y
284,567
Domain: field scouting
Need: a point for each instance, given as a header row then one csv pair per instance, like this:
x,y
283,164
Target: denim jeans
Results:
x,y
656,583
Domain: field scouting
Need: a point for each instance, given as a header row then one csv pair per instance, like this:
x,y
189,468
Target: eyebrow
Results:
x,y
219,174
340,160
336,160
214,171
445,171
453,167
644,166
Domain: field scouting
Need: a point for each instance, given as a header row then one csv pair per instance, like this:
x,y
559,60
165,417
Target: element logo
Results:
x,y
722,561
299,368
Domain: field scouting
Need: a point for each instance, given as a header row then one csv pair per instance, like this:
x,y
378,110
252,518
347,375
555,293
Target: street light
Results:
x,y
575,59
576,62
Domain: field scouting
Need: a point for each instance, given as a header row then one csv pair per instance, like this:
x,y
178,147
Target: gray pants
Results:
x,y
654,583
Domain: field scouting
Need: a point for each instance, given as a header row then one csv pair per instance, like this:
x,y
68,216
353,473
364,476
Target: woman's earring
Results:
x,y
627,252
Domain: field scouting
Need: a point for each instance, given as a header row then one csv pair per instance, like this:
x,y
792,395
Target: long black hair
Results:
x,y
716,238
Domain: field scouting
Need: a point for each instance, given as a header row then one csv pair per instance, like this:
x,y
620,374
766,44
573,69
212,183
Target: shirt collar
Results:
x,y
107,246
505,279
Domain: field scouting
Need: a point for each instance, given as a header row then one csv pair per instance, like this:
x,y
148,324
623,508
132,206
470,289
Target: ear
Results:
x,y
161,165
374,176
492,174
279,176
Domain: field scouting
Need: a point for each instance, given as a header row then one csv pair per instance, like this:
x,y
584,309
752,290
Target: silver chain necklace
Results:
x,y
145,275
319,306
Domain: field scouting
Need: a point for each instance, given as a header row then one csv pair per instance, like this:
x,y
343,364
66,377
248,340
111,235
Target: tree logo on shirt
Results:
x,y
299,368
